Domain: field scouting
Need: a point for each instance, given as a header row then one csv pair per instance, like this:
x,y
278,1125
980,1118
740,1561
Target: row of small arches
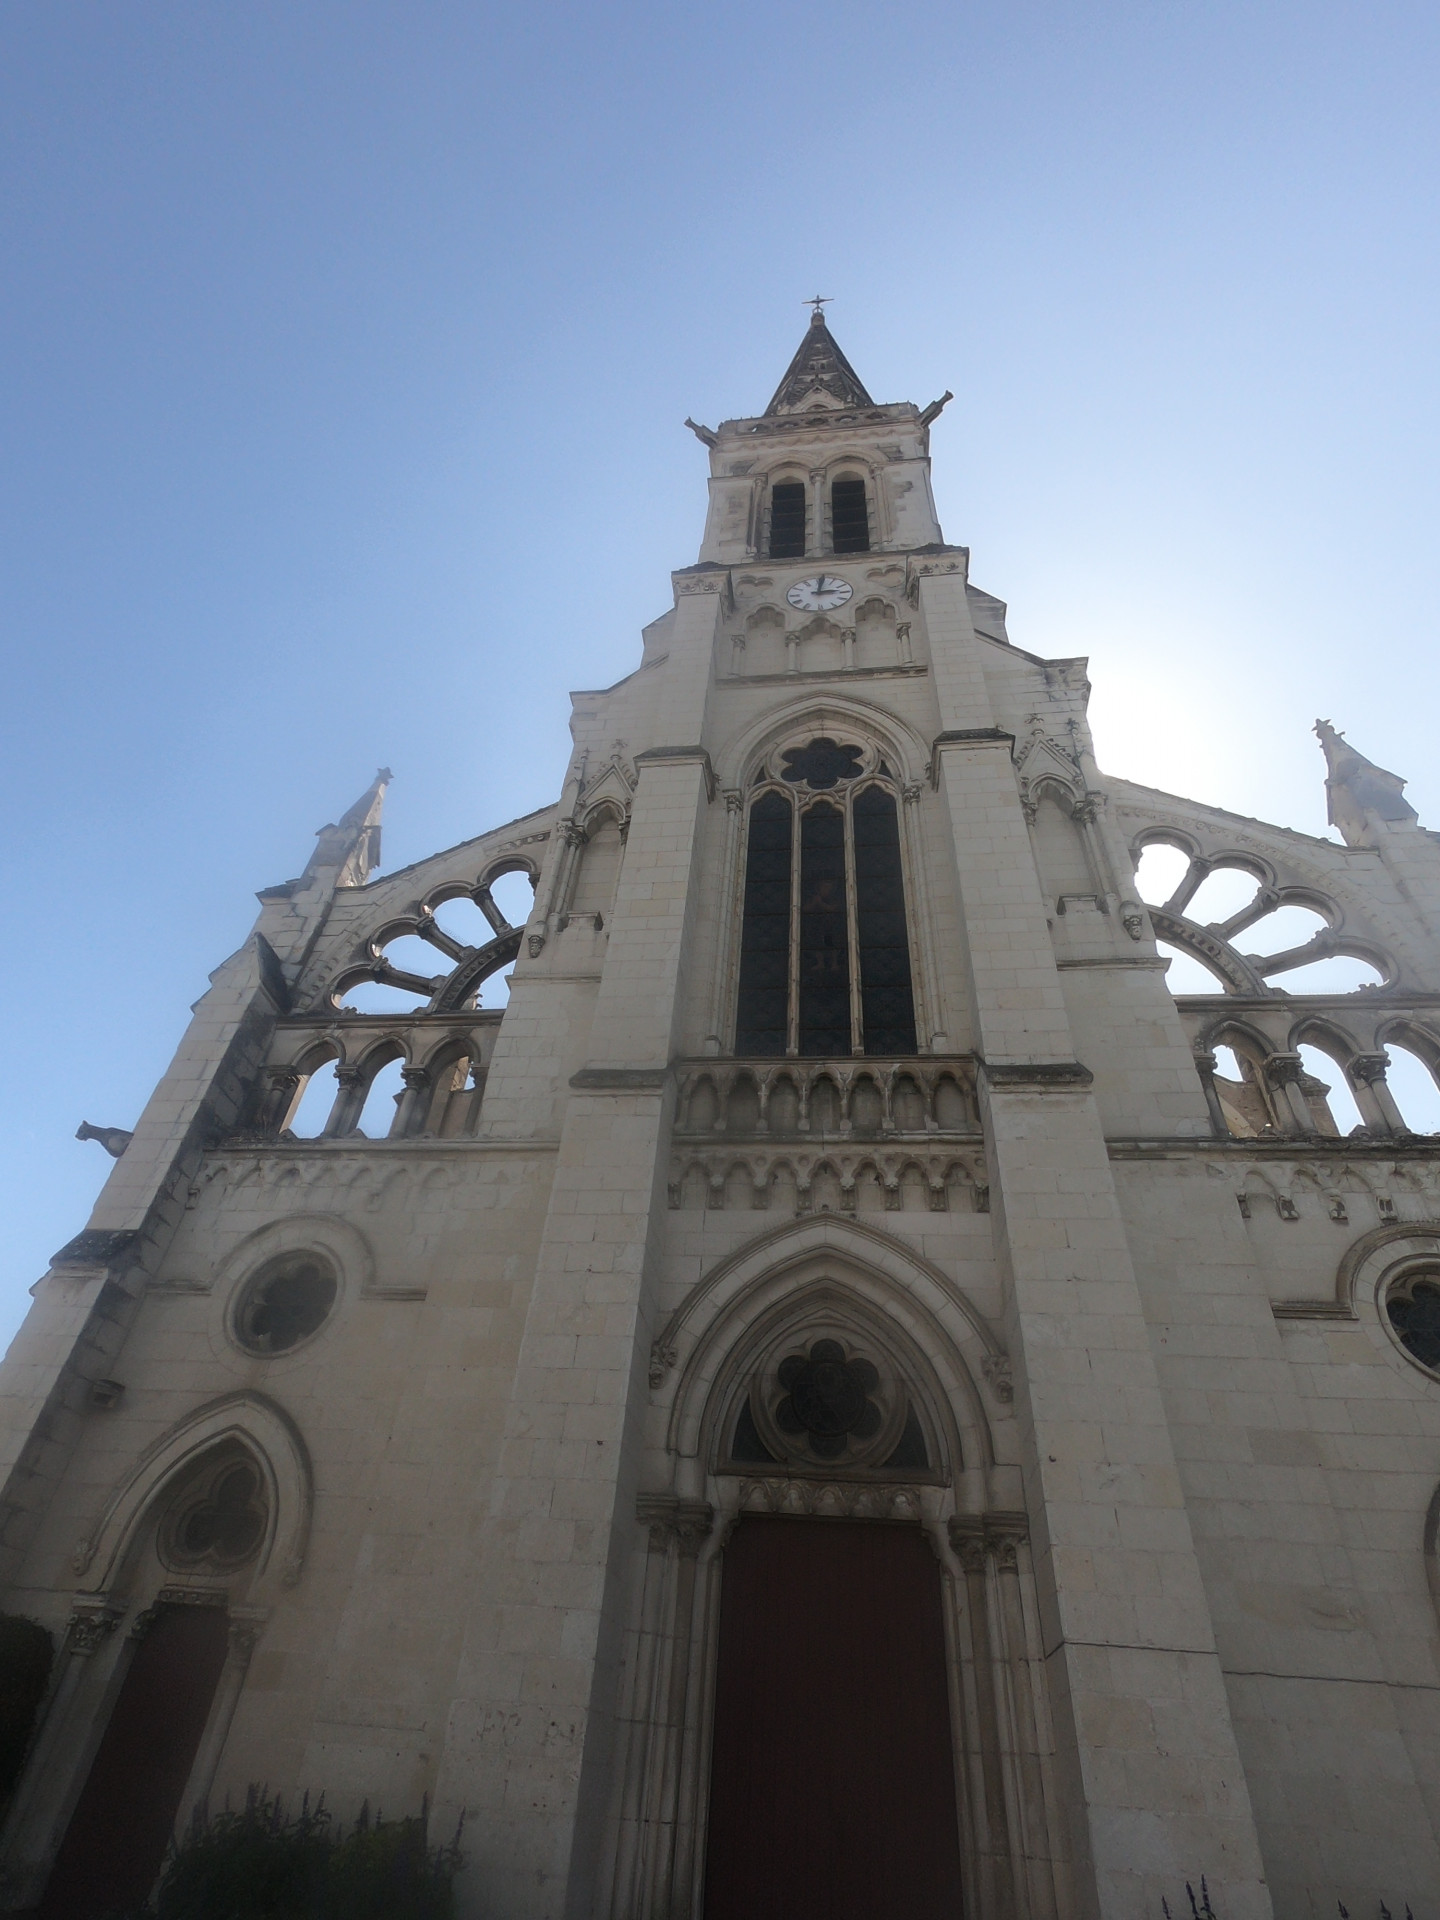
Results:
x,y
383,1095
824,1186
778,1103
1340,1089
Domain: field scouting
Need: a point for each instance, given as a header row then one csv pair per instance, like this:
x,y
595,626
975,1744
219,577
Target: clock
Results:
x,y
821,593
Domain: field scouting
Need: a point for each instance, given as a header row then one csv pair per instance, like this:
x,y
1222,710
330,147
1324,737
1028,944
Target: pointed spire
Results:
x,y
352,844
1357,788
819,377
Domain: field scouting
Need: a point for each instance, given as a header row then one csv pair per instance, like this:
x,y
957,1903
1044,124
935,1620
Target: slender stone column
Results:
x,y
1155,1786
1366,1074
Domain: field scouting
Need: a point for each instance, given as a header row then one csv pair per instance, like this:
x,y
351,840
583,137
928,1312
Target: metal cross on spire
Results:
x,y
818,301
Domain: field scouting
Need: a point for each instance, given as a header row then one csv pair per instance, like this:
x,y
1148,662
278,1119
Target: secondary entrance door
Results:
x,y
833,1781
116,1839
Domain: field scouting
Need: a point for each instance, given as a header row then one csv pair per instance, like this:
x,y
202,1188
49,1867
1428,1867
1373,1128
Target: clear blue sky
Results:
x,y
344,350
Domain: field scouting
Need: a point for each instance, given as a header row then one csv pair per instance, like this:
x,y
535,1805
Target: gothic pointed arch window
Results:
x,y
825,945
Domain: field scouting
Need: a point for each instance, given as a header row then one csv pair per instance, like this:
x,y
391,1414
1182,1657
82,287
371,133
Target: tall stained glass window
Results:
x,y
825,945
763,1025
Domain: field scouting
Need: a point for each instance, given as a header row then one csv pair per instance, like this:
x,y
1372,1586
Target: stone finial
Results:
x,y
1357,791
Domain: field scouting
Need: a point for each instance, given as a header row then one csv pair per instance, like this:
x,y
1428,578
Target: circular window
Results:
x,y
1413,1307
219,1525
284,1303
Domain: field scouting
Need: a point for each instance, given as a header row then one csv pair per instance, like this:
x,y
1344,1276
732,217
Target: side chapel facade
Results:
x,y
830,1399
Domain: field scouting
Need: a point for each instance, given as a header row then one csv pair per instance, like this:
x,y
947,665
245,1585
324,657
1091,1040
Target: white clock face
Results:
x,y
822,593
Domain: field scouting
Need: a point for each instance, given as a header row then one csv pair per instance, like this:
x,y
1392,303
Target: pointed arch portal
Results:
x,y
832,1779
115,1842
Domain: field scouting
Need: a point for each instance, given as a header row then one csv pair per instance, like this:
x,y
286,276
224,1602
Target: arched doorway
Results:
x,y
835,1628
115,1843
204,1532
832,1775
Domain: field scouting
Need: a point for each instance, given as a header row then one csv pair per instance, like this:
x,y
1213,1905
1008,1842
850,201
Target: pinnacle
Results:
x,y
819,378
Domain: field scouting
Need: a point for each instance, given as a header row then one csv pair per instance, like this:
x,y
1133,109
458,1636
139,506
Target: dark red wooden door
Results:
x,y
833,1783
115,1843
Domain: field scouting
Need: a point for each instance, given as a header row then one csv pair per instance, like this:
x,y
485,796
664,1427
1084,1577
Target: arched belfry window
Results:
x,y
849,516
825,946
787,520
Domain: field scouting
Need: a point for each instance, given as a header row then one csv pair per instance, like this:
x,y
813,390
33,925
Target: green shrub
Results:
x,y
264,1864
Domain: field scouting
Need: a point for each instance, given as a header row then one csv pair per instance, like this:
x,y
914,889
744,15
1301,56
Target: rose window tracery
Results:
x,y
821,764
827,1398
824,1405
1230,924
288,1300
1413,1309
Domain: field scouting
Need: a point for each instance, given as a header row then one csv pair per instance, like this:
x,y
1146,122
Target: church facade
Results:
x,y
844,1394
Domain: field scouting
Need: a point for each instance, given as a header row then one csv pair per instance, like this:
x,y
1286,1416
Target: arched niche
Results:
x,y
890,1286
248,1423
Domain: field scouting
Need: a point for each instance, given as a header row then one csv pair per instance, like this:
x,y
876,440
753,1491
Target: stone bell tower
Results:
x,y
839,1391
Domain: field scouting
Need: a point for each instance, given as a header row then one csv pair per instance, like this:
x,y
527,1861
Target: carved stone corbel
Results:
x,y
996,1369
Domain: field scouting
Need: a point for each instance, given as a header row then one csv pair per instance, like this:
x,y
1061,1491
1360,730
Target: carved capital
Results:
x,y
244,1637
1368,1068
734,800
416,1078
685,1524
997,1536
1284,1069
1005,1534
967,1538
89,1628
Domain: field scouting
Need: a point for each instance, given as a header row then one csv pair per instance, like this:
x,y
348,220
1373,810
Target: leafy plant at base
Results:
x,y
264,1864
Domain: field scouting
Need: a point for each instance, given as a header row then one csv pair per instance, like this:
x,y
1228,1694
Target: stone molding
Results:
x,y
1037,1076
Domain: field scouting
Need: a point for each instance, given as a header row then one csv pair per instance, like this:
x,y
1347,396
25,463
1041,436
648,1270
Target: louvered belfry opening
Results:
x,y
825,945
849,517
787,520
